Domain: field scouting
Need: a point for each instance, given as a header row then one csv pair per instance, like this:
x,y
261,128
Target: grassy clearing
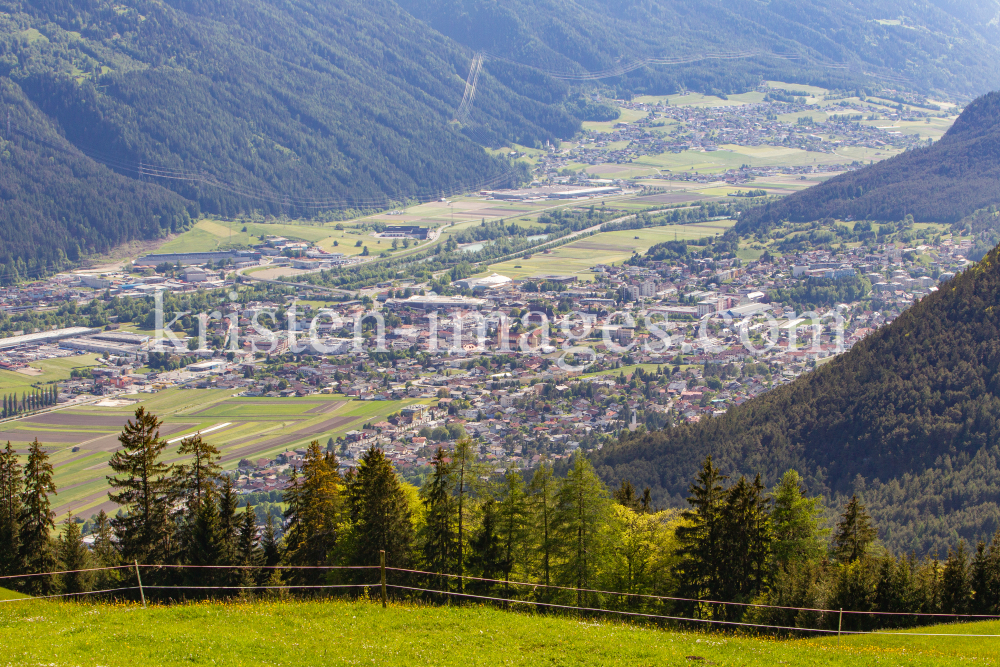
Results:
x,y
340,632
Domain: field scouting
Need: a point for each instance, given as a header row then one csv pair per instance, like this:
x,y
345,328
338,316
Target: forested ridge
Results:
x,y
944,182
933,47
300,108
909,419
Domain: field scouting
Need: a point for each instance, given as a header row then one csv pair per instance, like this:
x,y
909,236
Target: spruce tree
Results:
x,y
229,523
699,570
485,550
582,507
142,487
105,554
956,589
380,512
190,480
854,533
73,555
11,483
438,535
37,519
314,510
205,545
985,577
270,545
746,542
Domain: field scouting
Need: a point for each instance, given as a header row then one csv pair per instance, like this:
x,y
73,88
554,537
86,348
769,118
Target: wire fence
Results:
x,y
504,601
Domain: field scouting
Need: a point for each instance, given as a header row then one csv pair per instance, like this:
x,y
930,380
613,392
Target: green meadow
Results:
x,y
337,632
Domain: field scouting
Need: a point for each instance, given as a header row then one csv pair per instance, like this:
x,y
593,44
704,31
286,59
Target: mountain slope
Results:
x,y
943,182
925,45
299,107
910,418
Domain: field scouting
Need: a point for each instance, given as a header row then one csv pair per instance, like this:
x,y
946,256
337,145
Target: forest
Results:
x,y
470,531
907,420
807,42
944,182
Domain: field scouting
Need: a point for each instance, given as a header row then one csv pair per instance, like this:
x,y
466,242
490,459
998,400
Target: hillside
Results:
x,y
944,182
925,46
909,418
339,632
303,107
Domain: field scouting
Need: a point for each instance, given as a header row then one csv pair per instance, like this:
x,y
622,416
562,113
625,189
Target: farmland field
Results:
x,y
239,427
326,632
52,370
579,257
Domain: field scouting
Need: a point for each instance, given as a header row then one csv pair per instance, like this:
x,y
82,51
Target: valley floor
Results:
x,y
340,632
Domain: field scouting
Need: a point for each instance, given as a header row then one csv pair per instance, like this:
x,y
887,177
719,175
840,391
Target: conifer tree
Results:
x,y
956,589
380,512
37,519
463,469
141,485
985,577
746,541
314,509
485,551
105,554
513,523
190,480
73,555
11,482
438,535
699,570
229,523
542,506
205,544
795,521
854,534
270,545
582,506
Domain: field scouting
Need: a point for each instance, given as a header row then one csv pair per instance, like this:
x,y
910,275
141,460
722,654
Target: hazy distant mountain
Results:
x,y
929,46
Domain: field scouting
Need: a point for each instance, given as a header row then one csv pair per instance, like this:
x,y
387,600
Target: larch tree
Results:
x,y
582,509
795,522
314,509
141,486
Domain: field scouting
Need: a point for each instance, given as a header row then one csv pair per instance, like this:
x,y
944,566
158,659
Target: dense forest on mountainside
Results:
x,y
925,46
303,107
909,419
944,182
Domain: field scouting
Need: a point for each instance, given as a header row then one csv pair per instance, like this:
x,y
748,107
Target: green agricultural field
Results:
x,y
53,370
35,632
578,257
240,427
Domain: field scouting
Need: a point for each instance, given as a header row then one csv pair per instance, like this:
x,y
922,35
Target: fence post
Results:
x,y
139,578
381,560
840,620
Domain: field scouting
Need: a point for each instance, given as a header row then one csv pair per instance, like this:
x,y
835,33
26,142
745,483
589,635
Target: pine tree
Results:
x,y
380,512
542,507
700,568
314,509
11,483
73,555
795,521
438,535
854,534
142,487
38,519
582,506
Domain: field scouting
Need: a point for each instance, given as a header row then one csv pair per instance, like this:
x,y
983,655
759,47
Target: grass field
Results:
x,y
354,633
241,428
578,257
52,370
